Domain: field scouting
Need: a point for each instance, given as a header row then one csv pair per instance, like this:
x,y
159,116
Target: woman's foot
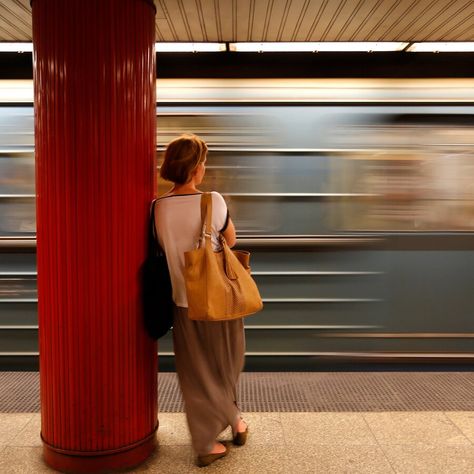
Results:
x,y
218,448
219,451
241,426
240,433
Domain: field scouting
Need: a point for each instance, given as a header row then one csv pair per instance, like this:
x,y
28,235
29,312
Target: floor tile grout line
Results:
x,y
457,427
285,443
401,445
23,429
9,441
385,455
426,445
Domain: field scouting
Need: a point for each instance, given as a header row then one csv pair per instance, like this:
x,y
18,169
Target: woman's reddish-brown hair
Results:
x,y
182,156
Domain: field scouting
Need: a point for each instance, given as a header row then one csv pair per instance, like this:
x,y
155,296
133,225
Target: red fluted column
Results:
x,y
94,75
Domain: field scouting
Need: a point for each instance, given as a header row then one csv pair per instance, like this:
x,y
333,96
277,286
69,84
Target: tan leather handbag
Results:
x,y
218,284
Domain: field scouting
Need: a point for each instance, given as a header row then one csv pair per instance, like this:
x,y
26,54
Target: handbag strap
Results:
x,y
206,217
154,247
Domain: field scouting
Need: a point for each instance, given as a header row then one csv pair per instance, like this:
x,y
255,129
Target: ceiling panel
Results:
x,y
194,20
288,20
342,25
464,30
424,25
374,16
259,15
225,11
406,12
178,18
382,21
336,28
163,31
241,19
449,22
15,20
296,12
209,17
308,19
276,19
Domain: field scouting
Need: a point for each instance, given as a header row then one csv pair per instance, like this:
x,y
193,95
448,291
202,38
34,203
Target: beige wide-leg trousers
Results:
x,y
209,359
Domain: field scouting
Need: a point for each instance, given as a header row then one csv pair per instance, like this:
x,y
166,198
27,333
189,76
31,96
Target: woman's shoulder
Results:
x,y
218,203
217,196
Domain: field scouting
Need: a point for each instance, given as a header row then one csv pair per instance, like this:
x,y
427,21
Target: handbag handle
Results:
x,y
206,219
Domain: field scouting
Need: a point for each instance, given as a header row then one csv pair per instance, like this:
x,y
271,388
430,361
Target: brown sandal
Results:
x,y
207,459
240,438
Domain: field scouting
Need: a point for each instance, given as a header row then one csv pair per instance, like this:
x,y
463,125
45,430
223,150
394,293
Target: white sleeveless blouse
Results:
x,y
178,225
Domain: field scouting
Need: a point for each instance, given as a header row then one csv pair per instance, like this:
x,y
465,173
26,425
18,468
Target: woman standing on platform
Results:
x,y
209,355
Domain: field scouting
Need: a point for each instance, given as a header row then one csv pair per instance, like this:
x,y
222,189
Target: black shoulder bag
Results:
x,y
156,286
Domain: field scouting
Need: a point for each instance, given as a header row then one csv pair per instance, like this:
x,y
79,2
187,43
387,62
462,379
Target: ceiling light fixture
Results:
x,y
448,47
16,47
159,47
189,47
164,47
319,47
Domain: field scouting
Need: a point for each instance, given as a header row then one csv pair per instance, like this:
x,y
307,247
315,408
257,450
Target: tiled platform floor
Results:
x,y
318,442
321,422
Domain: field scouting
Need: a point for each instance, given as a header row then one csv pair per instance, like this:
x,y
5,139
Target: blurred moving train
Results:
x,y
356,198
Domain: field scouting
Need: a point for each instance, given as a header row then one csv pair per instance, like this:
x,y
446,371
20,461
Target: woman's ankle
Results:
x,y
240,427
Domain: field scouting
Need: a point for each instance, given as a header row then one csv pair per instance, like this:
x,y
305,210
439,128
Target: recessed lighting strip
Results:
x,y
7,47
190,47
16,47
328,46
318,47
450,47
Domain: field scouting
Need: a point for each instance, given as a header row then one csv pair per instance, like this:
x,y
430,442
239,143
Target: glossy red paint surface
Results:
x,y
95,127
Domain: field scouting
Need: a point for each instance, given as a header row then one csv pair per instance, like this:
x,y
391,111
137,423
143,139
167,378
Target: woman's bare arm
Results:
x,y
229,233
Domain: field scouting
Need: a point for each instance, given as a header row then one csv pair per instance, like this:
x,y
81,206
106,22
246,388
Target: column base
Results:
x,y
99,462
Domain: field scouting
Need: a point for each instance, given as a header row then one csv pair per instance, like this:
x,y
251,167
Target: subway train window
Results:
x,y
418,172
17,195
311,170
299,169
17,172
